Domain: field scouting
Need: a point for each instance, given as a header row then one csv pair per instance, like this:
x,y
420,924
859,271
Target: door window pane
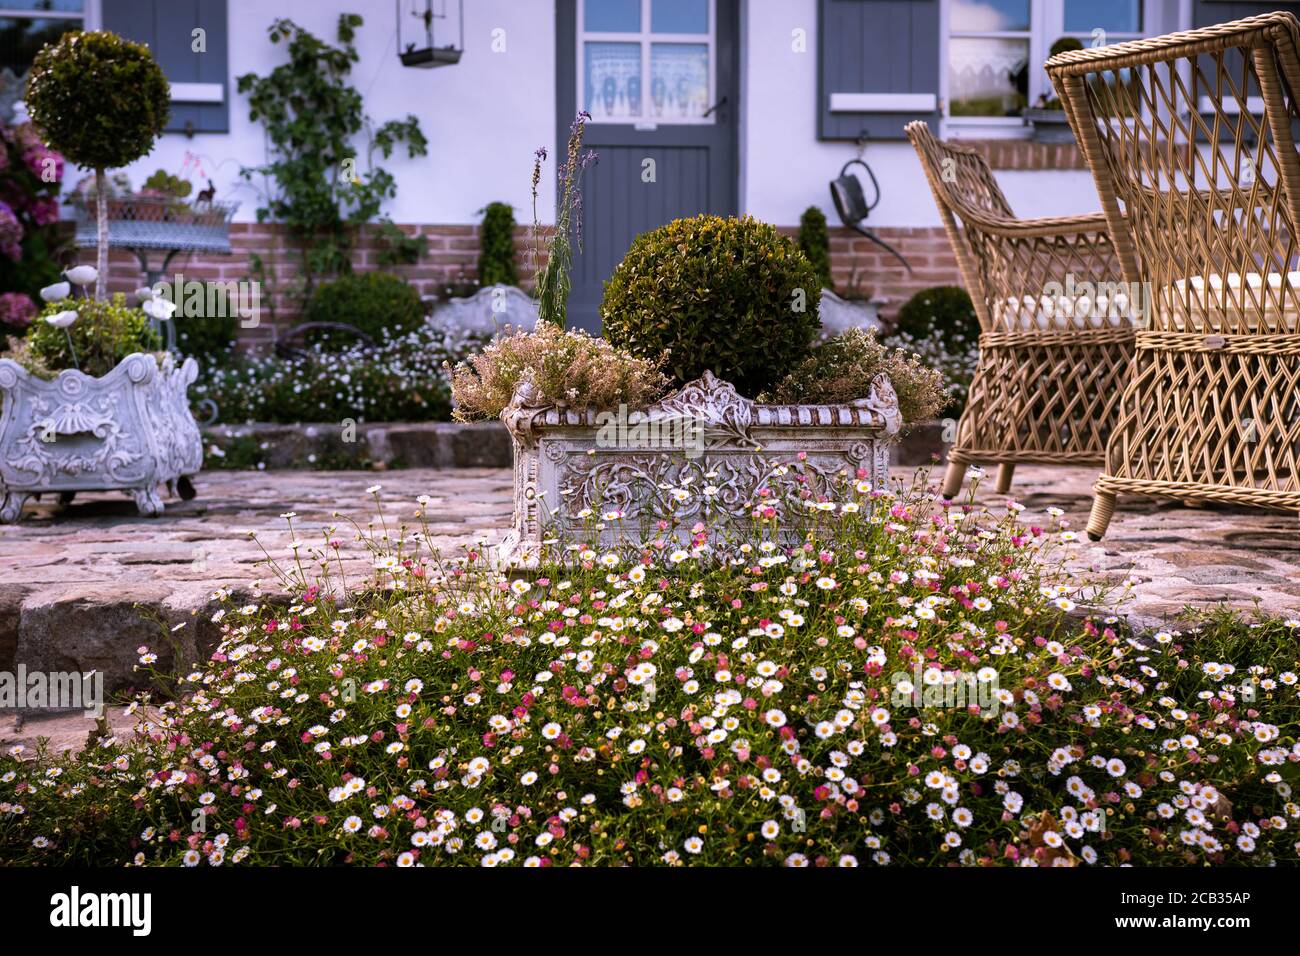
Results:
x,y
613,80
679,80
1113,16
988,16
610,16
679,16
988,76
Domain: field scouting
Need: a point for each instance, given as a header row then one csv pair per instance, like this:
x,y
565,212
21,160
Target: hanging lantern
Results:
x,y
424,51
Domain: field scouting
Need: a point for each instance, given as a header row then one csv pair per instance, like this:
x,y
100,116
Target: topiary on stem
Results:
x,y
730,296
101,101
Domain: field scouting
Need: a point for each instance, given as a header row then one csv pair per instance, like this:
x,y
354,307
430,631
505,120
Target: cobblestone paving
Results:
x,y
71,577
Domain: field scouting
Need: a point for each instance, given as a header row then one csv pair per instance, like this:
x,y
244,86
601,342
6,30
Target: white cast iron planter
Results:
x,y
565,462
128,431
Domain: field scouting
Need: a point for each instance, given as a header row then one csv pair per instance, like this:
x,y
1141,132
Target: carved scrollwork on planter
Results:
x,y
130,430
752,452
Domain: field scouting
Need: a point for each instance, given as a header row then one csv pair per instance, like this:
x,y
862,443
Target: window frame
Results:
x,y
89,15
645,39
1046,26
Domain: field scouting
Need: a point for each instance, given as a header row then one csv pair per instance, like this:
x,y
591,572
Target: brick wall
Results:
x,y
453,255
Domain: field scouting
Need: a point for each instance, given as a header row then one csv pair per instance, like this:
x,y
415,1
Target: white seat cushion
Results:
x,y
1231,304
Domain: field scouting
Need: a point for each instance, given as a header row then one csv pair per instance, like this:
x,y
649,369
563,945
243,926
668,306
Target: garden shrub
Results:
x,y
906,688
567,367
377,303
945,312
731,296
210,339
815,243
399,379
841,370
105,332
496,261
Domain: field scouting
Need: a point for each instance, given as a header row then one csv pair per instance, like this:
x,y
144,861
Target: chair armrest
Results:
x,y
1044,227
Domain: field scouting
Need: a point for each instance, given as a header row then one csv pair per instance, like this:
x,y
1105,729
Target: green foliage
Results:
x,y
553,281
842,369
105,333
815,243
900,685
311,115
209,338
732,296
944,312
99,99
397,247
379,304
496,261
165,183
399,379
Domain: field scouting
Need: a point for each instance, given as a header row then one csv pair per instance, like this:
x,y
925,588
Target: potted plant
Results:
x,y
705,322
1047,116
87,401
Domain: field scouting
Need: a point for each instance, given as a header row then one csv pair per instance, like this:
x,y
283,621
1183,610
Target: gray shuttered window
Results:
x,y
1207,13
878,66
168,27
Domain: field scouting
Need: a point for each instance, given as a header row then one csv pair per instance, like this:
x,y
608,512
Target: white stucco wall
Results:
x,y
787,169
483,117
486,115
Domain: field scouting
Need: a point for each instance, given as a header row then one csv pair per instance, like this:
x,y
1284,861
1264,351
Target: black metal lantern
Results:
x,y
428,54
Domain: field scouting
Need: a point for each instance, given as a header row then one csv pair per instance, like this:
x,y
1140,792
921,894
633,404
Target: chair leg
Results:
x,y
1103,506
953,478
1005,471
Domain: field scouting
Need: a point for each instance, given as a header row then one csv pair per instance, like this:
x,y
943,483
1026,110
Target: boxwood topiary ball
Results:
x,y
731,296
379,304
98,99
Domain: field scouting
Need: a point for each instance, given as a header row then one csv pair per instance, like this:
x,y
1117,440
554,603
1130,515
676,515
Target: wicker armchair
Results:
x,y
1190,140
1056,337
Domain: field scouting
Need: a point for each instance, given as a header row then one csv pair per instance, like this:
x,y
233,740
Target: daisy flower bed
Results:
x,y
906,683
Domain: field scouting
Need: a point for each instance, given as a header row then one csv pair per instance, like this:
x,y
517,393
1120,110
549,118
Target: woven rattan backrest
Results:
x,y
1190,139
960,179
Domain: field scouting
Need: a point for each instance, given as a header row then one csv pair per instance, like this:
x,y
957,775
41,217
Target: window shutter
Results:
x,y
879,66
200,81
1209,12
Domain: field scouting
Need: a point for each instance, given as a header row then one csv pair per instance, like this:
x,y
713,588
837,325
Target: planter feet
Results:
x,y
11,507
147,501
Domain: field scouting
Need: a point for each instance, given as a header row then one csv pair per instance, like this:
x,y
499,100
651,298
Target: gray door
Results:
x,y
660,79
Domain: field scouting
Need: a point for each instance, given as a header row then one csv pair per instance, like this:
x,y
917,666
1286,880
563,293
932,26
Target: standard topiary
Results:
x,y
944,311
496,261
101,101
379,304
731,296
815,243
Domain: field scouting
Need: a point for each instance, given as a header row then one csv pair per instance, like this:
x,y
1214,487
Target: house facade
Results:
x,y
722,106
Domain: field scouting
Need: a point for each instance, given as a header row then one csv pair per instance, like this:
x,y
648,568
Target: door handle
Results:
x,y
709,112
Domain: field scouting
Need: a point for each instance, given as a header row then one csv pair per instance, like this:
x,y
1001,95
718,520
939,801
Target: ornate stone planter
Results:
x,y
568,462
129,430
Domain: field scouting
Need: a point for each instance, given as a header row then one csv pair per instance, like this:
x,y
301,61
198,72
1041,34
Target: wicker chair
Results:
x,y
1056,339
1190,140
